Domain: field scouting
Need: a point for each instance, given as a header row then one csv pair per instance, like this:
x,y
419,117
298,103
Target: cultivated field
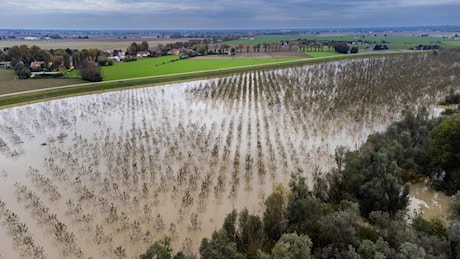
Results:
x,y
394,41
100,43
106,175
172,65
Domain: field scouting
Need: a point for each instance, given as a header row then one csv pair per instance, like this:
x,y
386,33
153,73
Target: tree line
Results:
x,y
25,59
357,210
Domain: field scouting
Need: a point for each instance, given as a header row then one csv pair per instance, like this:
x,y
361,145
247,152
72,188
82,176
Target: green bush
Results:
x,y
22,71
90,72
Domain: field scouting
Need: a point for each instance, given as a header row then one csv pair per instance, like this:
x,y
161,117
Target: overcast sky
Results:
x,y
224,14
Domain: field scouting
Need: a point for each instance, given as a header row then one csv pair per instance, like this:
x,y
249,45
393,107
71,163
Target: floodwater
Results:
x,y
106,175
429,202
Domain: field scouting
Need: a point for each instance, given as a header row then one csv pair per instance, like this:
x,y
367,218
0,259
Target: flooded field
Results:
x,y
106,175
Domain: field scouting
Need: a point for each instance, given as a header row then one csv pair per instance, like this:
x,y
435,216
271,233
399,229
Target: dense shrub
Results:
x,y
90,72
380,47
444,154
341,48
22,71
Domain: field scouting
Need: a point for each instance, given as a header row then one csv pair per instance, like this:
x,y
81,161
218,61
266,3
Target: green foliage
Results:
x,y
134,48
376,173
454,207
444,152
293,246
337,229
90,72
303,209
394,229
445,148
102,60
220,246
160,249
22,71
354,50
434,246
432,227
409,250
240,237
341,47
229,225
453,231
250,234
328,230
274,218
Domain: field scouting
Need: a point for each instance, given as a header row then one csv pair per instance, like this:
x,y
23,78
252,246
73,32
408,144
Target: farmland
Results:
x,y
393,41
9,84
172,64
169,65
106,175
99,43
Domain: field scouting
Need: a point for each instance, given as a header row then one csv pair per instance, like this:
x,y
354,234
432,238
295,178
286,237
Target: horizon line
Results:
x,y
239,29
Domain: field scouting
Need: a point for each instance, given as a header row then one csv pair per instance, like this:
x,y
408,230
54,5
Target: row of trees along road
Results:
x,y
358,210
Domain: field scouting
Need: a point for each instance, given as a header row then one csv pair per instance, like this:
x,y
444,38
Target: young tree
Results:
x,y
303,209
133,49
250,234
275,222
144,46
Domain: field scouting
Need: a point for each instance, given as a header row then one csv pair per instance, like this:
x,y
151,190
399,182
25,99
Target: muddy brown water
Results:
x,y
88,174
429,202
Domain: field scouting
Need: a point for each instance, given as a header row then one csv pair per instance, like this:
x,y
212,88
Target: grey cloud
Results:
x,y
222,14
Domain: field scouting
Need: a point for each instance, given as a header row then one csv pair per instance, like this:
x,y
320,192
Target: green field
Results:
x,y
170,65
265,39
393,41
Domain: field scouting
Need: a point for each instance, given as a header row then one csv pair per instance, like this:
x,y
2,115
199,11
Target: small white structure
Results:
x,y
143,54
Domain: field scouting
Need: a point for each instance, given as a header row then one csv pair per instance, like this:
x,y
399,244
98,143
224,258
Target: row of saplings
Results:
x,y
358,210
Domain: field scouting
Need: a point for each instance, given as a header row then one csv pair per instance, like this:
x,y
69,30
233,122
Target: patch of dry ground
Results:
x,y
8,84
